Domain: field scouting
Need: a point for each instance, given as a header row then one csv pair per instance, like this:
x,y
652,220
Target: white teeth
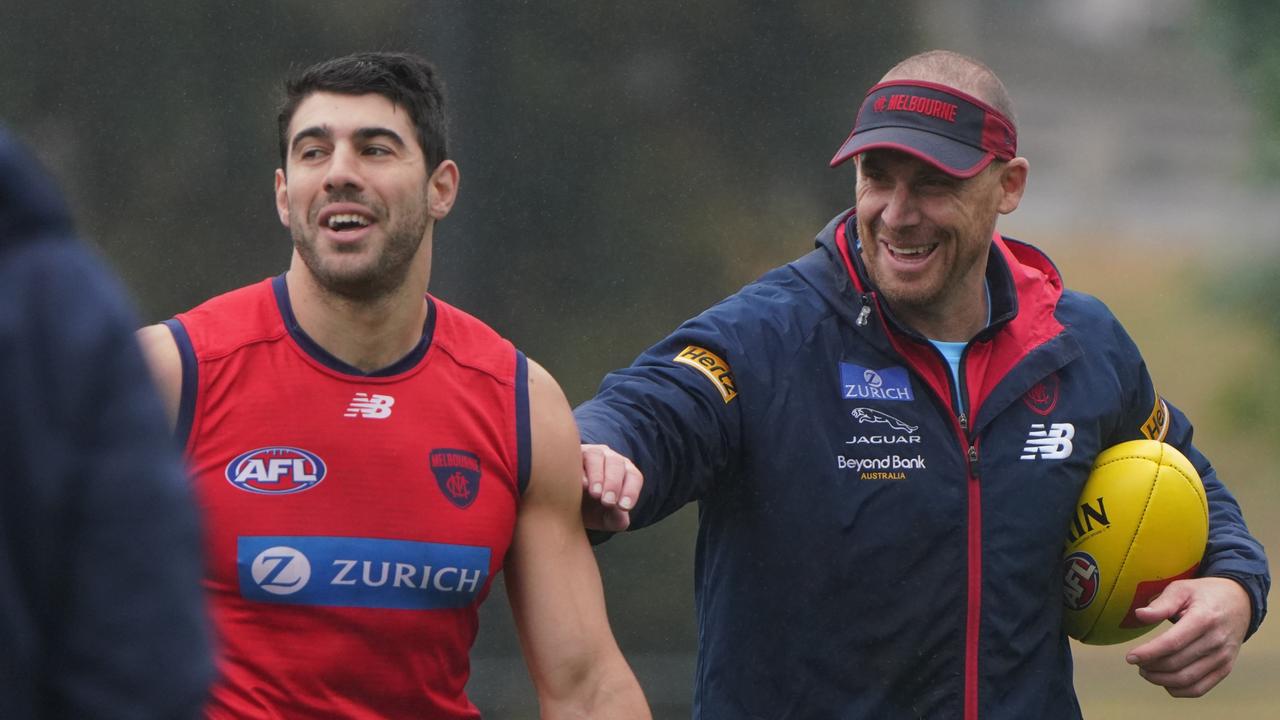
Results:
x,y
913,251
347,220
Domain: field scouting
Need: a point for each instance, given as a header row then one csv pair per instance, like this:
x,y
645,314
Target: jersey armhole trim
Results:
x,y
524,443
187,398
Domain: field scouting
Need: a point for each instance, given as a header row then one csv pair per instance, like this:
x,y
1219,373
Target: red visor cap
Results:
x,y
955,132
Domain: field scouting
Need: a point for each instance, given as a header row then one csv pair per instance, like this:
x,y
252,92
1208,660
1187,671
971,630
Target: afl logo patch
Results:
x,y
1079,580
1042,398
458,475
276,470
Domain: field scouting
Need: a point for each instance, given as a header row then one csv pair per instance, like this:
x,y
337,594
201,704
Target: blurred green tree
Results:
x,y
1247,31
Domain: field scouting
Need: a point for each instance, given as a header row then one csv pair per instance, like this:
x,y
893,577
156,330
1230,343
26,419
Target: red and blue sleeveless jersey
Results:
x,y
354,521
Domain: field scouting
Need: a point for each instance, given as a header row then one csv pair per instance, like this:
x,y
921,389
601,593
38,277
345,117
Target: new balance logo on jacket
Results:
x,y
1051,443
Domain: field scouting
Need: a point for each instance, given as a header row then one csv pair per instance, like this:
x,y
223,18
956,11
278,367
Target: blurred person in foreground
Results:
x,y
101,611
887,439
368,457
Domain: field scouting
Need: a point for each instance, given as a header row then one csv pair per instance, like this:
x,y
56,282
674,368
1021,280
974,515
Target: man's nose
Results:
x,y
901,208
343,170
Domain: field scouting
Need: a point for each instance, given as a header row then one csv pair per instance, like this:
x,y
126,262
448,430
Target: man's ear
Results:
x,y
282,197
442,189
1013,181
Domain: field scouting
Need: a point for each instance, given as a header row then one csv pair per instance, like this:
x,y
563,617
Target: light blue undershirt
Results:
x,y
953,350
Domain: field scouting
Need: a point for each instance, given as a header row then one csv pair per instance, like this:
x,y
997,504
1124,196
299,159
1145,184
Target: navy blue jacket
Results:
x,y
101,610
873,541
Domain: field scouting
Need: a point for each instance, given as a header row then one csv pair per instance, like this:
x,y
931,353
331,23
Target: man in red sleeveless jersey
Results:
x,y
368,457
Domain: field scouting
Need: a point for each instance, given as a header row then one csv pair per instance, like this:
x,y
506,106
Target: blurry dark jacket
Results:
x,y
101,610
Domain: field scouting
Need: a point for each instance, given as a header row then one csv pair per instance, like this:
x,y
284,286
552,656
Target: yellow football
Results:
x,y
1141,523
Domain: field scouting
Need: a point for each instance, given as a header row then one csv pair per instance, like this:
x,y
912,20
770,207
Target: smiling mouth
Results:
x,y
911,253
340,222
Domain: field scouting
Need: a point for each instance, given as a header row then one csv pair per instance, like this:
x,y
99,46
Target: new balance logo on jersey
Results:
x,y
370,407
1049,443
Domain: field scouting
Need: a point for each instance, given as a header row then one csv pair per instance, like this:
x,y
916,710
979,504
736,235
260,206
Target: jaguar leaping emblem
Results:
x,y
868,415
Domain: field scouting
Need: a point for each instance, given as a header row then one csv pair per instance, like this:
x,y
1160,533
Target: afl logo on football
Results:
x,y
1079,580
276,470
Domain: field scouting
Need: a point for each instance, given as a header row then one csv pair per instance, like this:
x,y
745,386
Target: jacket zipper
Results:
x,y
973,602
865,312
973,554
973,589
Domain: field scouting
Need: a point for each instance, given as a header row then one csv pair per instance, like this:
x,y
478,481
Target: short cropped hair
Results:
x,y
960,72
406,80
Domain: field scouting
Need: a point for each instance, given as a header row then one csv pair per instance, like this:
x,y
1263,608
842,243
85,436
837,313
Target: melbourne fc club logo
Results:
x,y
458,475
1042,398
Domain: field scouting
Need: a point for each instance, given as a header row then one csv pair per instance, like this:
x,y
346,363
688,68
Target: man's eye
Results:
x,y
376,150
310,153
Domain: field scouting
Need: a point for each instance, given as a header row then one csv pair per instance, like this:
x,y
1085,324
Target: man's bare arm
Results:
x,y
161,352
553,583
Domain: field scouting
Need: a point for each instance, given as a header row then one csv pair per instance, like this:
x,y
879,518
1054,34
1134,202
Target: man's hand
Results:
x,y
1189,659
610,486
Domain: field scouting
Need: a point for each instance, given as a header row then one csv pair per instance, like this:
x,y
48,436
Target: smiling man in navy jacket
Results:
x,y
887,439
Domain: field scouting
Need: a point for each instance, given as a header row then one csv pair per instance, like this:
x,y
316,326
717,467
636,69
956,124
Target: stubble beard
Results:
x,y
930,297
905,297
378,277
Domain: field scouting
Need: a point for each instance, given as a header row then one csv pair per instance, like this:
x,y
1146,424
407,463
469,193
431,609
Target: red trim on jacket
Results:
x,y
988,361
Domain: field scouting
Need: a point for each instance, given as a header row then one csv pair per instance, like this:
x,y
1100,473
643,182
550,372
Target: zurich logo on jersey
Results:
x,y
280,570
861,383
360,572
276,470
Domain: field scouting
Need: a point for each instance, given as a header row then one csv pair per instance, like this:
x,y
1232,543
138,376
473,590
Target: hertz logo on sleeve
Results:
x,y
1157,425
710,364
